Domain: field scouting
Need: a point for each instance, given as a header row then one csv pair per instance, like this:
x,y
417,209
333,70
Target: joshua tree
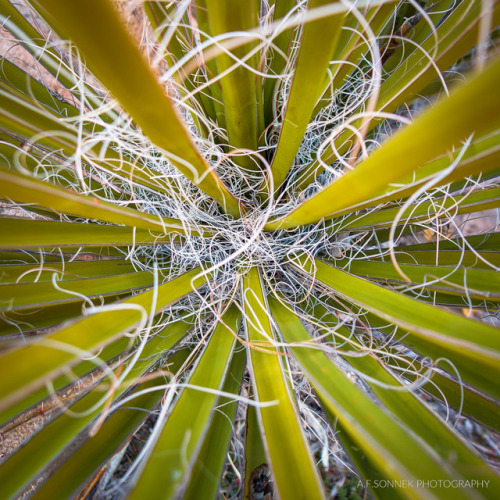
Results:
x,y
242,237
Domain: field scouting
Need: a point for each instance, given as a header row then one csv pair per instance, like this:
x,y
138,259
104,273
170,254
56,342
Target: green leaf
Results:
x,y
416,35
352,47
364,466
25,295
115,431
36,45
21,82
276,64
403,150
384,441
17,326
122,69
481,242
443,258
177,446
256,462
21,467
97,449
117,351
25,119
239,89
465,399
289,458
26,155
404,404
214,89
476,341
448,205
26,189
444,358
26,233
444,386
479,159
50,354
307,85
30,273
469,282
456,35
207,469
373,343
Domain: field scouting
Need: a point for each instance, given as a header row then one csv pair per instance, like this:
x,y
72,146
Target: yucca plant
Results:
x,y
240,244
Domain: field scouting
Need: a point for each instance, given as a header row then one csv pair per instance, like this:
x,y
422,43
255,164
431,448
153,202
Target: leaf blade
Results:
x,y
403,150
134,85
282,434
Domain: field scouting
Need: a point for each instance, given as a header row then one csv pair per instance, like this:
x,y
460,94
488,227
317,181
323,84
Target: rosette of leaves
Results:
x,y
249,233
